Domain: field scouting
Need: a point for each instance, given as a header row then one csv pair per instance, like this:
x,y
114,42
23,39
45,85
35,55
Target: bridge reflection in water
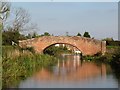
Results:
x,y
70,71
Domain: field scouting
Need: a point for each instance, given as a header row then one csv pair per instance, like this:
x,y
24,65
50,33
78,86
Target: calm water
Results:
x,y
71,72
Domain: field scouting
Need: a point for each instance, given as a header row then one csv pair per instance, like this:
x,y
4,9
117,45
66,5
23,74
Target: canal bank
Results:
x,y
32,70
20,64
71,72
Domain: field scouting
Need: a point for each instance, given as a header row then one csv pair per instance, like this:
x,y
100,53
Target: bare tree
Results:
x,y
22,18
19,20
30,28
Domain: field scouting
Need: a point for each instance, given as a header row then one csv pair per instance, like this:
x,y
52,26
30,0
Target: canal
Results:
x,y
71,72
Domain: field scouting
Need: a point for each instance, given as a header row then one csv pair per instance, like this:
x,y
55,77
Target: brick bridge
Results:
x,y
87,46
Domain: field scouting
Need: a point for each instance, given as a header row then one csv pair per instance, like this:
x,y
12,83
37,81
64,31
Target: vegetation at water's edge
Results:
x,y
112,51
111,57
18,65
115,63
55,51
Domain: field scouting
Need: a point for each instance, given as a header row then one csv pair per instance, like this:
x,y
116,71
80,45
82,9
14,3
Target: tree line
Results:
x,y
20,22
13,22
86,34
12,31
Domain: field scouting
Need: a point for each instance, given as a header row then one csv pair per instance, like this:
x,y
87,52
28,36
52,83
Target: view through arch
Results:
x,y
59,48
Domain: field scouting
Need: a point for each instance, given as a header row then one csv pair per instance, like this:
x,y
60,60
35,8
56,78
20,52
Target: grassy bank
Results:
x,y
20,64
112,54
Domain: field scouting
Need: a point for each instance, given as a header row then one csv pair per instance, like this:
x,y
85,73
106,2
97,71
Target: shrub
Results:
x,y
31,49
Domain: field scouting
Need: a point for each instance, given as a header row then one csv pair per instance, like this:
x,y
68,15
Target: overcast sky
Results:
x,y
100,19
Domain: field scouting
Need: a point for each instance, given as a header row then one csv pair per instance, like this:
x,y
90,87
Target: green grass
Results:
x,y
112,46
19,67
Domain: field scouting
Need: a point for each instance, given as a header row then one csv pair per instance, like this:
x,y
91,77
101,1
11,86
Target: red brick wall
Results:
x,y
86,45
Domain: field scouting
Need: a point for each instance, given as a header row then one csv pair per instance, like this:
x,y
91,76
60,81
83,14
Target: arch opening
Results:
x,y
59,48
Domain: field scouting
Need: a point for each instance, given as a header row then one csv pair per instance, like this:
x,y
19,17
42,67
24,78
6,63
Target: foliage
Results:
x,y
29,36
34,35
111,58
78,34
22,66
115,63
108,39
116,57
31,49
98,54
110,47
98,57
14,35
22,37
86,34
9,36
113,43
46,34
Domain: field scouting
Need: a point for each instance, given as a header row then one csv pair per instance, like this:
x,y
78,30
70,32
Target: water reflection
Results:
x,y
70,71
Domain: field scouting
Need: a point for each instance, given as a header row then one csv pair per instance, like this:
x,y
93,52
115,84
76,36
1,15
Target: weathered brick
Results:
x,y
87,46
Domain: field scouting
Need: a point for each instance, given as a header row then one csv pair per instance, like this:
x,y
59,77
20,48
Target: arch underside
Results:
x,y
61,43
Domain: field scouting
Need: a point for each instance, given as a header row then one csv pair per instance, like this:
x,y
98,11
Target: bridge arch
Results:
x,y
65,44
87,46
